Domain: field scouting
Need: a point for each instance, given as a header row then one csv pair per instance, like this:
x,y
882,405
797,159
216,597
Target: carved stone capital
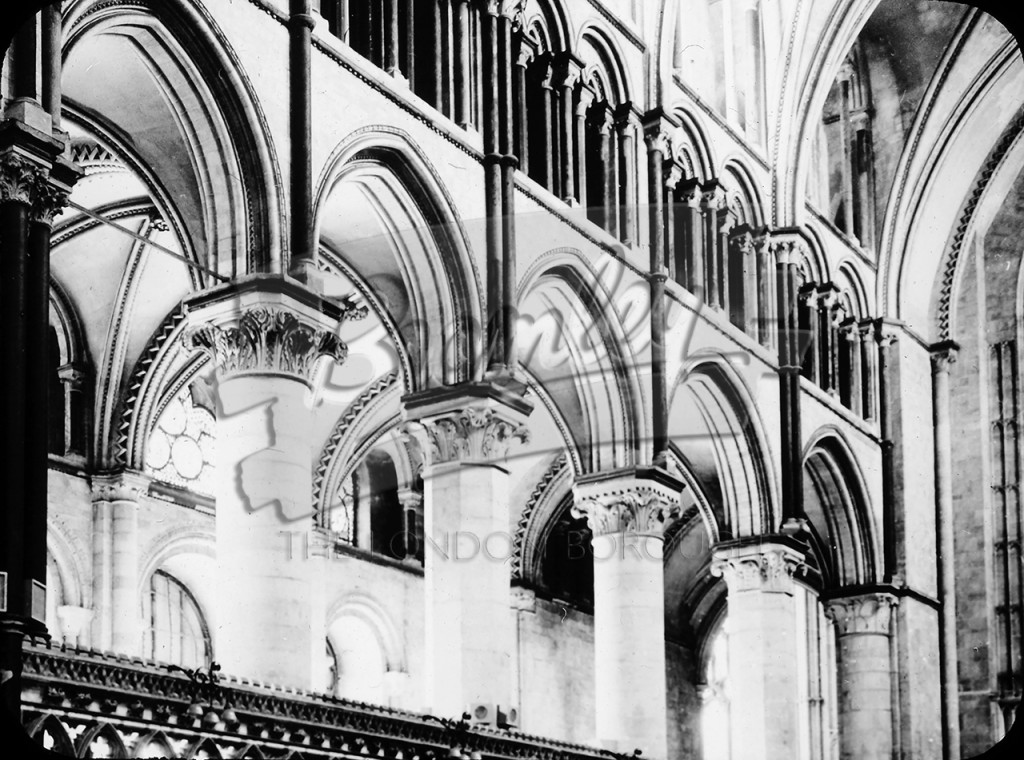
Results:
x,y
864,613
267,340
944,355
640,502
714,196
765,567
474,433
48,202
19,179
119,486
885,333
789,245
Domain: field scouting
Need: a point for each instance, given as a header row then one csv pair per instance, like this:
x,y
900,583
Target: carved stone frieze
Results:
x,y
863,613
760,567
267,340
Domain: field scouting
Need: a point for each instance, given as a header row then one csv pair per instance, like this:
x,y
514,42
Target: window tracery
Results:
x,y
181,449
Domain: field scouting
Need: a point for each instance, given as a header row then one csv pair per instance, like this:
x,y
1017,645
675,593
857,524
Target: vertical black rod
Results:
x,y
23,61
14,216
300,26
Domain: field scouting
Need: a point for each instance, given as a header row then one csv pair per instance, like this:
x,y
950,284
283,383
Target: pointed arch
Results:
x,y
836,503
578,342
716,429
412,252
205,88
105,731
48,723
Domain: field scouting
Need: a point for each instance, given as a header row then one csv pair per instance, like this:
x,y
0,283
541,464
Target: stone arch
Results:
x,y
717,432
365,607
69,565
836,504
690,143
745,188
199,74
426,268
610,413
49,723
105,730
549,25
597,49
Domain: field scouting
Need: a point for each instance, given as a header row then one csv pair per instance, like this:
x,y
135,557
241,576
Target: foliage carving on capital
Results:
x,y
19,179
124,486
864,613
764,568
267,340
472,434
640,509
48,202
789,249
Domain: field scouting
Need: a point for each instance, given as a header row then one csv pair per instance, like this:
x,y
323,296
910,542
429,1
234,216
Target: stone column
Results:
x,y
609,218
116,503
829,316
626,124
73,378
463,75
693,238
583,101
763,629
849,332
627,512
265,337
788,246
743,310
712,201
869,369
465,433
519,79
863,654
766,297
568,74
412,510
943,355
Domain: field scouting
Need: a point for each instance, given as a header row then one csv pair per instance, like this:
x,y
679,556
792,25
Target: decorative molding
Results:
x,y
352,413
970,208
130,439
267,340
554,470
136,698
758,567
864,613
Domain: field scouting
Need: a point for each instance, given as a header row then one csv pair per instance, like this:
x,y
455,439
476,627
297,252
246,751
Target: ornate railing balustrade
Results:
x,y
84,703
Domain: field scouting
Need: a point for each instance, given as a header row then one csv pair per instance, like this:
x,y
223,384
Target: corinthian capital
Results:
x,y
863,613
758,567
642,501
475,433
48,202
267,340
19,178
